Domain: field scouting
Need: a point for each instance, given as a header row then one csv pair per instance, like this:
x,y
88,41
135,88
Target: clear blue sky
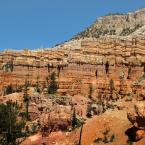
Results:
x,y
44,23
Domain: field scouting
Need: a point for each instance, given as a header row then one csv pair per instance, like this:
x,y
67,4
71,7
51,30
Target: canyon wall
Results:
x,y
79,65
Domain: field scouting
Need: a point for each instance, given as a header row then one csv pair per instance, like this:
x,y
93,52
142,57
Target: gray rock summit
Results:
x,y
132,23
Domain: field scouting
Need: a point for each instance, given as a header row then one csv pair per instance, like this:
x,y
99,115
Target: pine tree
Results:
x,y
10,125
129,72
90,91
96,73
58,69
26,99
53,84
107,67
74,118
37,85
111,84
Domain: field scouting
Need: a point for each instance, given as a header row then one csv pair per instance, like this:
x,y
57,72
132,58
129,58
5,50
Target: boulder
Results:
x,y
59,118
140,134
137,118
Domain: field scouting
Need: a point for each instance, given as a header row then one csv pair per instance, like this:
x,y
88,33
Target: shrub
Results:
x,y
89,111
127,31
19,89
108,137
8,90
97,140
33,128
142,78
106,131
129,142
112,138
106,140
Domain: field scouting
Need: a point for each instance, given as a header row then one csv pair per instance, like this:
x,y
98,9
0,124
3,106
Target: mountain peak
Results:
x,y
117,24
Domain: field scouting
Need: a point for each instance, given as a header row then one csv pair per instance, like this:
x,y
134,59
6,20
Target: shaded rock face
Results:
x,y
137,118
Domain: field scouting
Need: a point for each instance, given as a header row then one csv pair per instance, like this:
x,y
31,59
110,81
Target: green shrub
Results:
x,y
142,78
106,131
106,140
9,90
129,142
89,110
98,140
19,89
112,138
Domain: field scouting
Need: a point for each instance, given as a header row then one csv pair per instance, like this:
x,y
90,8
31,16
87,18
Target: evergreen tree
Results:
x,y
37,85
96,73
53,84
129,72
89,111
10,125
107,67
74,118
111,85
8,90
58,69
26,99
48,67
75,122
90,91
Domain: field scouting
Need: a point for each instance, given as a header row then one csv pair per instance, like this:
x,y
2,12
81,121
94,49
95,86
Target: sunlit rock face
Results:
x,y
80,65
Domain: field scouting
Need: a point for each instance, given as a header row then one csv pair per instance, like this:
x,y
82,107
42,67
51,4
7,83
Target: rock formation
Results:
x,y
138,117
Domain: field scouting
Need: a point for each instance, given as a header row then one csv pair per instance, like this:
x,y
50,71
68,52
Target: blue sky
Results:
x,y
44,23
